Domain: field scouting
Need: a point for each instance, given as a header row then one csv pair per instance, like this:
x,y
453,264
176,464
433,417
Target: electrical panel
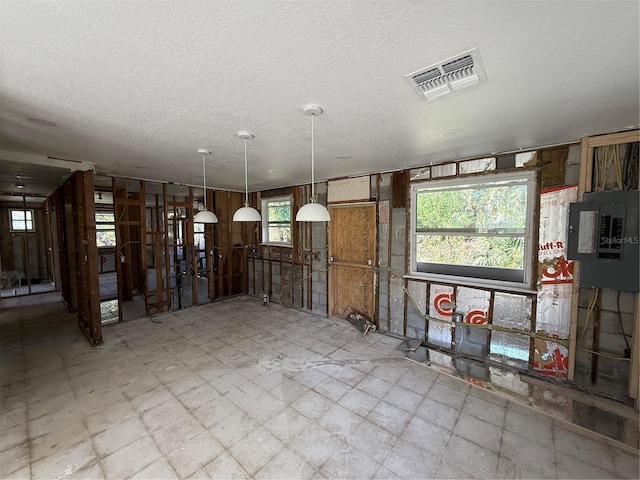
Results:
x,y
604,237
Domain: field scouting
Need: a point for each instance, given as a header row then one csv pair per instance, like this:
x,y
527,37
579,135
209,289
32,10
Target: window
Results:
x,y
105,229
21,220
276,221
474,228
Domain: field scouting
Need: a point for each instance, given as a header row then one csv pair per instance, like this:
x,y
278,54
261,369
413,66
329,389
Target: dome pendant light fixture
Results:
x,y
246,213
312,211
205,216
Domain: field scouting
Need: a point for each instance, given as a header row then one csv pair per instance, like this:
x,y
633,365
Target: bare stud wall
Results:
x,y
604,337
25,255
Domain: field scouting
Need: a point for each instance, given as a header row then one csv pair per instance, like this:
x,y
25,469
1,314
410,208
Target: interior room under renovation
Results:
x,y
278,239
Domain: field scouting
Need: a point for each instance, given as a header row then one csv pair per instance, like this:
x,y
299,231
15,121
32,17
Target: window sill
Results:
x,y
473,282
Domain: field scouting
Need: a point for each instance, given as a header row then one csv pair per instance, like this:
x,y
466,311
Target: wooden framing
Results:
x,y
86,253
589,144
27,253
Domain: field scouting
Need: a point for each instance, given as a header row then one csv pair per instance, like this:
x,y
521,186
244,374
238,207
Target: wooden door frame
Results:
x,y
331,293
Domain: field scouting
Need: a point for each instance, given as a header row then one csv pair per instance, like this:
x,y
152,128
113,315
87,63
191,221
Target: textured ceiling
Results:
x,y
38,178
145,84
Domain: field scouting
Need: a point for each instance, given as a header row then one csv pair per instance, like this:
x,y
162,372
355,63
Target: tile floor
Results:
x,y
108,285
109,311
237,390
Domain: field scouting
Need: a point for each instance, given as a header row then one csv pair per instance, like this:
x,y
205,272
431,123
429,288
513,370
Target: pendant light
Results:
x,y
246,213
205,216
312,211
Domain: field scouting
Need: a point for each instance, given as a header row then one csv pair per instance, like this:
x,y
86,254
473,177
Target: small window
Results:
x,y
276,221
474,228
21,220
105,229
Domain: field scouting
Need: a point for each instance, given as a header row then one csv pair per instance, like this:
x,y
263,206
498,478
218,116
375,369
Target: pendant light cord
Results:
x,y
246,181
313,179
204,181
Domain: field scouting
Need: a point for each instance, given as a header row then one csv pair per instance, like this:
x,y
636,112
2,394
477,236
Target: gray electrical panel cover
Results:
x,y
604,237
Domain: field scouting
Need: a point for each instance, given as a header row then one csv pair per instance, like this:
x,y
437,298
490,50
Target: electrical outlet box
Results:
x,y
604,237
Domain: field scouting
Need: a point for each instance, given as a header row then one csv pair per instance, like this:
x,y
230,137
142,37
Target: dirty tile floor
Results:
x,y
238,390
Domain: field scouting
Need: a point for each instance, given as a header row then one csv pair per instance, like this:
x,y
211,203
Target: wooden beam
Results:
x,y
614,139
144,261
165,246
584,183
25,251
89,285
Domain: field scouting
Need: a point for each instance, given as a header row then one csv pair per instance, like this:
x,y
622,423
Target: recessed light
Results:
x,y
142,167
274,171
343,157
449,134
20,185
42,121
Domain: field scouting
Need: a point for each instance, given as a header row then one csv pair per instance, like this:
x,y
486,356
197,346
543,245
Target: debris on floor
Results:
x,y
420,355
409,345
358,321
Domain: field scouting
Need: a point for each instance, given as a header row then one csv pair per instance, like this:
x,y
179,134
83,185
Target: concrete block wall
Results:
x,y
384,237
319,263
612,370
255,277
398,240
276,281
396,305
614,323
572,169
383,301
397,263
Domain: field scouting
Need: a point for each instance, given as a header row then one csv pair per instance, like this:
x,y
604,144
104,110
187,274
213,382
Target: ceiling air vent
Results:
x,y
449,76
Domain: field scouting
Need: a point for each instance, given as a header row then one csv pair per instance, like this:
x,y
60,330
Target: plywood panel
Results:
x,y
353,234
357,295
352,251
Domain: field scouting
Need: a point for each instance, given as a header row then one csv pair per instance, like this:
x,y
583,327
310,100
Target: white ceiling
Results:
x,y
148,83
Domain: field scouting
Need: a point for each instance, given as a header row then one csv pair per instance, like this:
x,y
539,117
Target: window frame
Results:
x,y
112,224
460,274
28,212
265,220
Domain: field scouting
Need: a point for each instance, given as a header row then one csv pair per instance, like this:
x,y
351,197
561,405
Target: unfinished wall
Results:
x,y
382,187
606,318
294,276
319,260
78,253
24,254
410,307
504,329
